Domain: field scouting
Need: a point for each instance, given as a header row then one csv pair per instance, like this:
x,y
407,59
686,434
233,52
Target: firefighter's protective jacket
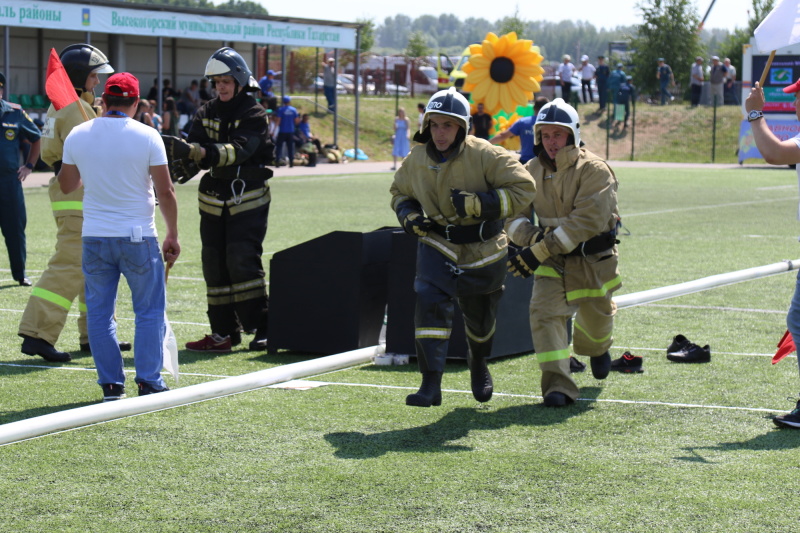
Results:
x,y
477,167
575,203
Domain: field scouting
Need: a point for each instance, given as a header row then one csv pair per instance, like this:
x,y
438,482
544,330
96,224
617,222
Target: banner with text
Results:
x,y
93,18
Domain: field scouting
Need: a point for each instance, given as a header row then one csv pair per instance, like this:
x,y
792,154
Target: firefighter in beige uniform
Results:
x,y
46,312
572,251
453,192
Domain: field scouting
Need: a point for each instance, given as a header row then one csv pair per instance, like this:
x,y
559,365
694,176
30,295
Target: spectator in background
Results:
x,y
614,81
665,78
482,123
696,82
587,75
287,115
329,84
206,94
400,139
717,78
266,83
625,95
143,113
171,118
523,128
421,111
305,135
731,95
602,72
155,117
565,71
18,128
190,99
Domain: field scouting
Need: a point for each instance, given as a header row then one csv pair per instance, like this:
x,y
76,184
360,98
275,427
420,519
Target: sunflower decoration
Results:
x,y
503,72
502,124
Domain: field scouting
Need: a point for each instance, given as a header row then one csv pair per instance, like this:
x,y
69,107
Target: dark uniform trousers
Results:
x,y
232,230
13,220
438,284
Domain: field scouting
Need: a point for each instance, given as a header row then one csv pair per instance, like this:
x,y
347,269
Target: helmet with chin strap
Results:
x,y
447,102
560,113
81,60
227,62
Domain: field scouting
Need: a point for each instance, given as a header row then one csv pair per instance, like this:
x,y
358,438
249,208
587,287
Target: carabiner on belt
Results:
x,y
237,198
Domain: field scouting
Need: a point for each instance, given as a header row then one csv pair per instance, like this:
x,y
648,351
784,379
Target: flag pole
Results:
x,y
766,69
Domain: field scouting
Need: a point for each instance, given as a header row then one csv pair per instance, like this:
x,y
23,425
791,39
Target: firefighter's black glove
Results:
x,y
522,262
177,149
416,224
182,170
480,205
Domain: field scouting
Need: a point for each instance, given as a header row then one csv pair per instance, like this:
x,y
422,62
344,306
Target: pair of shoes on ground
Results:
x,y
123,347
216,343
791,419
113,391
682,350
627,364
600,365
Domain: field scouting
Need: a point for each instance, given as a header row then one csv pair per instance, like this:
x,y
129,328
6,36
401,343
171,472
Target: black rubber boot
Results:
x,y
429,393
601,366
480,379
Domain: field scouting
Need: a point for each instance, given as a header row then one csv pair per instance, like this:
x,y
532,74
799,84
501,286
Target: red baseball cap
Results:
x,y
122,84
793,88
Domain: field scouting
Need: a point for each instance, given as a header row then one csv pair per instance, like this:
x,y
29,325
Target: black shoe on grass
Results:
x,y
112,392
692,353
576,366
789,420
679,342
627,364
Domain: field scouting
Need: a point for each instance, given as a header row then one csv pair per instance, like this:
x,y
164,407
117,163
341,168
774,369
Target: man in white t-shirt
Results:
x,y
565,71
119,161
587,75
777,152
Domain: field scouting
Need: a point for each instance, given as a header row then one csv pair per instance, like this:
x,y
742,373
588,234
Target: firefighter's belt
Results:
x,y
245,173
596,244
467,234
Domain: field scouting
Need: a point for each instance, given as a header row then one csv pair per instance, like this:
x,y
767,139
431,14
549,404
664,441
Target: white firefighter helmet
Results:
x,y
447,102
560,113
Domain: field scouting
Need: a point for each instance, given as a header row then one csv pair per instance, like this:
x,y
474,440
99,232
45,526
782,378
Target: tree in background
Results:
x,y
732,46
234,6
367,34
669,30
513,24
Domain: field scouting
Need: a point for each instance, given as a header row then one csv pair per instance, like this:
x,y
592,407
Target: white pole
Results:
x,y
670,291
92,414
101,412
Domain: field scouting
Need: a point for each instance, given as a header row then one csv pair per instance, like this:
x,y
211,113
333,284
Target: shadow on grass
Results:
x,y
6,417
454,425
777,439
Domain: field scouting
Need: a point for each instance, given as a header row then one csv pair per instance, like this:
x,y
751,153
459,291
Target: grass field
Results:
x,y
674,133
677,448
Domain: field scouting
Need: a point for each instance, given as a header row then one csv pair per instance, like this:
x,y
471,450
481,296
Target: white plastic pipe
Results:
x,y
101,412
689,287
93,414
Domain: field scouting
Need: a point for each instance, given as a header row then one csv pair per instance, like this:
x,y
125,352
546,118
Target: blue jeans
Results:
x,y
793,317
665,94
104,259
330,96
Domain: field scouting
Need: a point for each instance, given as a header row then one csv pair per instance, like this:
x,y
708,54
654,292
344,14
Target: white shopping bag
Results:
x,y
170,342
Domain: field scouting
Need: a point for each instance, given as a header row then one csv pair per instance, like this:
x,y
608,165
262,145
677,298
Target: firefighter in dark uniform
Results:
x,y
17,128
229,136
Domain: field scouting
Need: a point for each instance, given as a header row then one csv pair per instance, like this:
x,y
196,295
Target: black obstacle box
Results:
x,y
330,295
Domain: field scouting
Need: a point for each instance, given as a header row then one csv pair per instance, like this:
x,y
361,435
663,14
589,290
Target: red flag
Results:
x,y
785,347
57,85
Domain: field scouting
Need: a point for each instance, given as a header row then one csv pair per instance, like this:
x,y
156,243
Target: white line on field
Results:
x,y
714,206
775,188
533,396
